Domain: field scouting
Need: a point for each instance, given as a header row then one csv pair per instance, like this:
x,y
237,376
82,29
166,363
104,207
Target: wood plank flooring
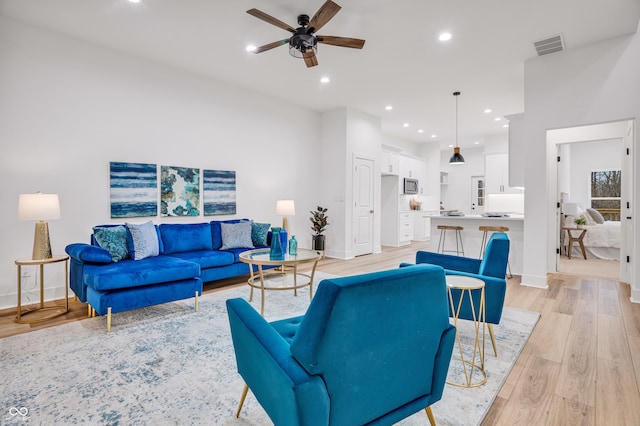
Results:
x,y
580,366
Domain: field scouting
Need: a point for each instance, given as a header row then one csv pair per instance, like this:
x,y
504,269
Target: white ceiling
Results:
x,y
402,64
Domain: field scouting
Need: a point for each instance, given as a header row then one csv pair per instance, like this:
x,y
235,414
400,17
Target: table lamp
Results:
x,y
570,209
285,208
39,207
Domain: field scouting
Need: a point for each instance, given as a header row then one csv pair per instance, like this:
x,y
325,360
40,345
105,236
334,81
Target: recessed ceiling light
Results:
x,y
497,119
444,37
251,48
505,125
388,107
134,1
325,80
420,131
405,125
487,111
434,135
450,146
476,143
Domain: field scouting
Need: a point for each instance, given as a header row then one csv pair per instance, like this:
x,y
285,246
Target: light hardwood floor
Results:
x,y
581,365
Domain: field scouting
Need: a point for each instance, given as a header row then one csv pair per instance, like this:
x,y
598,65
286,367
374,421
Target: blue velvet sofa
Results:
x,y
187,255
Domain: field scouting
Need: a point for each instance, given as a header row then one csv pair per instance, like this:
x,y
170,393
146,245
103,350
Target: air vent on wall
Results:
x,y
549,45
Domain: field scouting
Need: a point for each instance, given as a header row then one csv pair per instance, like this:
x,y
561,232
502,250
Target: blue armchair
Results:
x,y
371,349
492,269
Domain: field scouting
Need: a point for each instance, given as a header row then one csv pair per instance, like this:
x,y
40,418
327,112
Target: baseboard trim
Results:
x,y
534,281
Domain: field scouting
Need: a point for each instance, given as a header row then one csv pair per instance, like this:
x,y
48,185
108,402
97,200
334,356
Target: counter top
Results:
x,y
479,217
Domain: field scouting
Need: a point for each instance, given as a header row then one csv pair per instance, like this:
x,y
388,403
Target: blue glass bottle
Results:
x,y
293,246
276,252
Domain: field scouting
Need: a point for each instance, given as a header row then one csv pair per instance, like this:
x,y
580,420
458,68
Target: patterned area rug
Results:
x,y
168,364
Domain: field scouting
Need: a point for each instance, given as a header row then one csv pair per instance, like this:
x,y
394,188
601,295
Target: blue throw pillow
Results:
x,y
259,233
142,240
236,235
114,240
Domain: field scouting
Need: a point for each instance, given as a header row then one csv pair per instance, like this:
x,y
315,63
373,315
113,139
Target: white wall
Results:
x,y
587,157
594,84
68,108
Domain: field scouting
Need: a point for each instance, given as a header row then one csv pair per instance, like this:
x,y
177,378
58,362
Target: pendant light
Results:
x,y
456,158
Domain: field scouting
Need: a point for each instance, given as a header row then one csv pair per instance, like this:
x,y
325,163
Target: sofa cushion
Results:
x,y
131,273
236,235
114,240
259,233
207,258
142,240
177,238
216,231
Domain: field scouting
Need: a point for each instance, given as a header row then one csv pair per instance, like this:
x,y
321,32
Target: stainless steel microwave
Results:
x,y
410,186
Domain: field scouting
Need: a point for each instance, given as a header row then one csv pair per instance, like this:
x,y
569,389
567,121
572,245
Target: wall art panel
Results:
x,y
219,192
134,189
179,191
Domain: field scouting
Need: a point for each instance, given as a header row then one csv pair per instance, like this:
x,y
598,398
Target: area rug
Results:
x,y
168,365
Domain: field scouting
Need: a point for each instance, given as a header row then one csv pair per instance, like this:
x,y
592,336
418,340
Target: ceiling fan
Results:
x,y
303,42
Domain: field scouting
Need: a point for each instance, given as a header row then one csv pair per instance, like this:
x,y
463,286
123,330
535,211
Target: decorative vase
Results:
x,y
318,242
293,246
276,252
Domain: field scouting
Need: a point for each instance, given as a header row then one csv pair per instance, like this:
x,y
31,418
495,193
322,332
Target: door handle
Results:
x,y
371,211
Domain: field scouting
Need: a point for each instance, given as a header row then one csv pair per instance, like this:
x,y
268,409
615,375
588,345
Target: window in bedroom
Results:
x,y
605,193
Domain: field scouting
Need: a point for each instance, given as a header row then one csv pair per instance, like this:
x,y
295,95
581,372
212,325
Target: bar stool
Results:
x,y
485,238
443,235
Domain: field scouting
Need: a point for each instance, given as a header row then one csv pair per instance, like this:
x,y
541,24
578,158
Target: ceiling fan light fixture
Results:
x,y
456,158
299,44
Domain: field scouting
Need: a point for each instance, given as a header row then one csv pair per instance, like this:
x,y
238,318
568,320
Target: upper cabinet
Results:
x,y
415,169
496,172
390,163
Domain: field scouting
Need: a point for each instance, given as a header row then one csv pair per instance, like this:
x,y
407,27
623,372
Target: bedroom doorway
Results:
x,y
586,154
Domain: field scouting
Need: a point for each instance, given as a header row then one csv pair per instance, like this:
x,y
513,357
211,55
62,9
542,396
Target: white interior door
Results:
x,y
626,191
363,198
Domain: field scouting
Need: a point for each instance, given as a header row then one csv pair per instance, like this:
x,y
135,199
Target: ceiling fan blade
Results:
x,y
354,43
310,58
271,45
270,19
327,11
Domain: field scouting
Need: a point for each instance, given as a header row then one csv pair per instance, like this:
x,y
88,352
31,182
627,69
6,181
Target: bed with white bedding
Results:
x,y
602,241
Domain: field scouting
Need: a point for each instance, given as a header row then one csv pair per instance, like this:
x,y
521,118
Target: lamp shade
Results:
x,y
456,158
570,209
38,206
285,208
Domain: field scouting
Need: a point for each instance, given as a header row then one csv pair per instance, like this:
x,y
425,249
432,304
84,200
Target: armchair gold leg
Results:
x,y
244,395
109,319
493,339
197,301
432,420
89,310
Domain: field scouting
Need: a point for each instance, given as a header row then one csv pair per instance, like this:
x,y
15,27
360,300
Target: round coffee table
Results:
x,y
288,266
476,362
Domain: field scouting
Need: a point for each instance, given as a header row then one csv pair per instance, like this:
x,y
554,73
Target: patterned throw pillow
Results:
x,y
114,240
236,235
259,233
142,240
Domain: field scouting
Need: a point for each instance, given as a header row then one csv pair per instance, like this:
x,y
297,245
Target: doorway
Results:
x,y
363,205
560,143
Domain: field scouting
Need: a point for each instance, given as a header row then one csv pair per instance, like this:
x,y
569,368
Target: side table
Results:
x,y
573,238
475,363
57,310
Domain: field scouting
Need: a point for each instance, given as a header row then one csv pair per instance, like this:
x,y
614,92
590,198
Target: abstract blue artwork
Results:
x,y
219,192
134,189
179,191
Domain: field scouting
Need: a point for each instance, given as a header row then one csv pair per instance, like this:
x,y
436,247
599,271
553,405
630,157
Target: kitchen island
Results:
x,y
472,236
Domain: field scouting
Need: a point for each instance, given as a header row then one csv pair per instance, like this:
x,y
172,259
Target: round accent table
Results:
x,y
473,370
288,266
55,311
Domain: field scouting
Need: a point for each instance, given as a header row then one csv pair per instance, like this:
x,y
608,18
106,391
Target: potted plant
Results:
x,y
319,223
580,222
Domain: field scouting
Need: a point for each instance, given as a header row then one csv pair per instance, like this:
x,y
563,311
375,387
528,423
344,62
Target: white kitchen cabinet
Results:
x,y
415,169
390,163
496,173
405,228
422,225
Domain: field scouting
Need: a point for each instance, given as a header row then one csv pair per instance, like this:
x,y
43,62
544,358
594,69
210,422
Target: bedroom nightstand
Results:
x,y
573,238
57,310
